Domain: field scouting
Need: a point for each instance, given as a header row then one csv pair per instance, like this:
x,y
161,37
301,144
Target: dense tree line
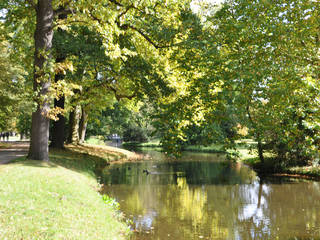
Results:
x,y
205,75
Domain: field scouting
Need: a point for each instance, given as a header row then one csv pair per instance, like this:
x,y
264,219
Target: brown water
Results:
x,y
203,197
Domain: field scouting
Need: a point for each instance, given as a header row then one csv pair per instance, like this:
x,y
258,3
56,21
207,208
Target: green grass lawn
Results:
x,y
212,148
56,200
151,144
95,140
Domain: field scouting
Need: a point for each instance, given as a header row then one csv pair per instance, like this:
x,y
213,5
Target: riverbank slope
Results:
x,y
59,199
272,167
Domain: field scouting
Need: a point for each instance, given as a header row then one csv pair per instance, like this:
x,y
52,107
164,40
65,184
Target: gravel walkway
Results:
x,y
15,150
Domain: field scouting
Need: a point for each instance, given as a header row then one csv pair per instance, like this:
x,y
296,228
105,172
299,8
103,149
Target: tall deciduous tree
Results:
x,y
150,22
42,79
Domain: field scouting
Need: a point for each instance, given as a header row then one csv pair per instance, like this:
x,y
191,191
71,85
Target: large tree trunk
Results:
x,y
43,42
83,125
74,119
257,137
260,148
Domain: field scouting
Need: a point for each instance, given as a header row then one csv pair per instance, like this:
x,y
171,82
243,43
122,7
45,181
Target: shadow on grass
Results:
x,y
79,161
71,159
98,151
33,163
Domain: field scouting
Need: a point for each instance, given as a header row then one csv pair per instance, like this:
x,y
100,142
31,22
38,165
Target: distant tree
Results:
x,y
11,86
131,123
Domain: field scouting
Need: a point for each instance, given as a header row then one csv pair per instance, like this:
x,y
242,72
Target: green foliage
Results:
x,y
243,69
131,125
111,202
248,65
24,124
114,36
12,83
270,75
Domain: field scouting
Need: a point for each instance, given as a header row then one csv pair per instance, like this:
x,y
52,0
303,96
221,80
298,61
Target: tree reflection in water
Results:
x,y
202,196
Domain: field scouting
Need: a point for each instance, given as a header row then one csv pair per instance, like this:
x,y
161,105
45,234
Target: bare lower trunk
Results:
x,y
83,125
257,137
71,120
74,119
58,128
260,149
43,42
39,149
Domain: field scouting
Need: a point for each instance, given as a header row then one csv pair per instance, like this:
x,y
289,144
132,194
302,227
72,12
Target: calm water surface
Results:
x,y
202,196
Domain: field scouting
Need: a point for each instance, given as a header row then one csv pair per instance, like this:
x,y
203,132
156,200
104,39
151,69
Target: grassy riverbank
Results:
x,y
59,199
272,167
151,144
212,148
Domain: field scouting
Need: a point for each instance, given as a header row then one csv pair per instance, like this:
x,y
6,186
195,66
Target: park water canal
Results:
x,y
202,196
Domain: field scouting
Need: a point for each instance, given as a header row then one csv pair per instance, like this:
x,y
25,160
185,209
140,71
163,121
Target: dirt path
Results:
x,y
15,150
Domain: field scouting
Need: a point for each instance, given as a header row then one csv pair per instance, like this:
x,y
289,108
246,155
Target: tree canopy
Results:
x,y
206,75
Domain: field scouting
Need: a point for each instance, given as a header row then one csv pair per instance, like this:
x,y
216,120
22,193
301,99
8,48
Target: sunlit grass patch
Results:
x,y
212,148
95,140
155,143
108,153
56,200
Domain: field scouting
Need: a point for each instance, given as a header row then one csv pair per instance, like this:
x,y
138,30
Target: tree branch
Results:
x,y
107,84
144,35
116,2
98,19
124,12
128,26
120,96
63,12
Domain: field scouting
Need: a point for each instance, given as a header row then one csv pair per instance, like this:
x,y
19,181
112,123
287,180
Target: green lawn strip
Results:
x,y
213,148
95,140
155,144
56,200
